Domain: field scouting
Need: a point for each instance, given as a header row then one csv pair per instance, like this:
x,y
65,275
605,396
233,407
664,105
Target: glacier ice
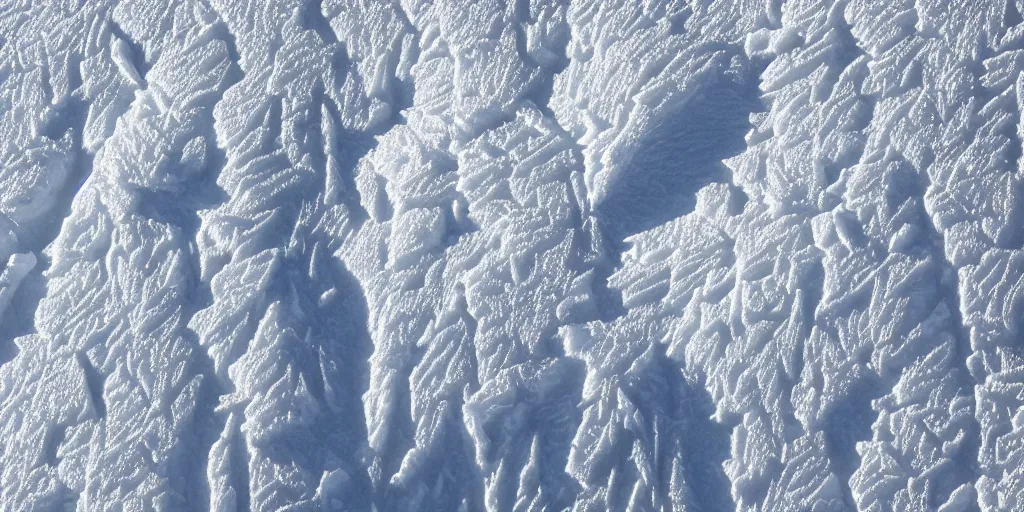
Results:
x,y
512,255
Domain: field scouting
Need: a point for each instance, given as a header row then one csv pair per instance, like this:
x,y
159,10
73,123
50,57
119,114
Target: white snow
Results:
x,y
512,255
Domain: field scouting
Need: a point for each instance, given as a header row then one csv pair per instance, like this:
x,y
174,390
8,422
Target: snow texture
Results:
x,y
522,255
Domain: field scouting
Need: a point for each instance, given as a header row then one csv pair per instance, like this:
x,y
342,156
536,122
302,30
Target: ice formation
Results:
x,y
525,255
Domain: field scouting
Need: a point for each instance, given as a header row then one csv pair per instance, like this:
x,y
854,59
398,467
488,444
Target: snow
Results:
x,y
492,255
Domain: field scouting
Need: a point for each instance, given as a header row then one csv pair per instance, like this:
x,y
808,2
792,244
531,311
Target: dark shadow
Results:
x,y
53,439
94,381
238,455
1012,17
608,299
333,358
846,424
557,419
544,88
138,54
671,164
19,318
312,18
181,207
705,444
69,119
814,290
677,158
330,350
676,425
353,147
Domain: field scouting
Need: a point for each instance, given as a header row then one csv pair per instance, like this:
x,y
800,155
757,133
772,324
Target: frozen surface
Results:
x,y
532,255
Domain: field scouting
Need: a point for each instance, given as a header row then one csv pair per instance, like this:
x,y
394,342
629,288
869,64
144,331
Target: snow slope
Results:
x,y
512,255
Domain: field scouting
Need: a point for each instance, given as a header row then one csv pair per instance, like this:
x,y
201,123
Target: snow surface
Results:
x,y
511,256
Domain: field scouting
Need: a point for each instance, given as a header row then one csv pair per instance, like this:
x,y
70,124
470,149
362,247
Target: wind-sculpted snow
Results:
x,y
512,255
